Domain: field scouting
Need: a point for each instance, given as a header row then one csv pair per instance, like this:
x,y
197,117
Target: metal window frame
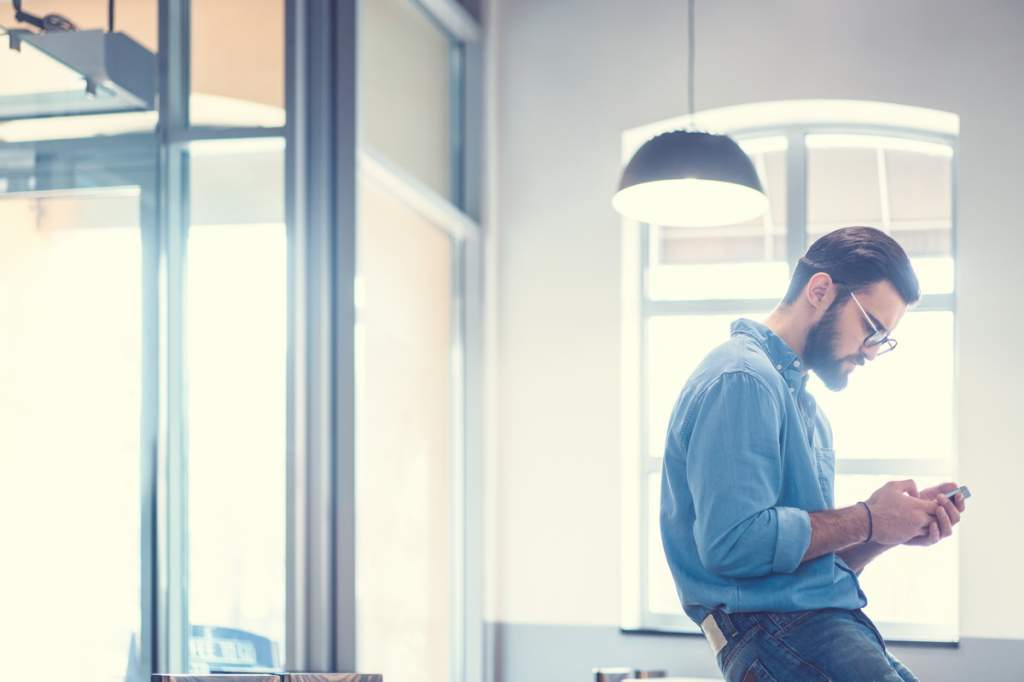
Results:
x,y
172,568
638,308
470,663
320,82
174,135
321,446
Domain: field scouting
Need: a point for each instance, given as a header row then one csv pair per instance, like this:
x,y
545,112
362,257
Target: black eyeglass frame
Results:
x,y
877,337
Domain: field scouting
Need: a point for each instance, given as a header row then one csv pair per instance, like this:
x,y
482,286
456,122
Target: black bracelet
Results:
x,y
871,525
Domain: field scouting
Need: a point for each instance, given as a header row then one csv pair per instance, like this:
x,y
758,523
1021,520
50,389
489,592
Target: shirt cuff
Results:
x,y
792,540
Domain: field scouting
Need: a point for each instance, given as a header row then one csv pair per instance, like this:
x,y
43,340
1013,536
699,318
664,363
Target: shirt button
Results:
x,y
797,363
778,366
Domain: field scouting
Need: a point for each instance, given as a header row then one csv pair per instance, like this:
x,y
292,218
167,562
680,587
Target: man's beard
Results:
x,y
818,351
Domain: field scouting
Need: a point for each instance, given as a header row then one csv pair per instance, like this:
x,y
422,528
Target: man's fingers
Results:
x,y
933,532
950,508
958,501
927,506
908,486
945,524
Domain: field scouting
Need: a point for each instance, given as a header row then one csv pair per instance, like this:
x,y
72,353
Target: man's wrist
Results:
x,y
833,530
870,523
859,556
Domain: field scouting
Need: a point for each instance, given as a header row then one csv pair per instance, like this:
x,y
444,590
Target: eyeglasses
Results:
x,y
878,336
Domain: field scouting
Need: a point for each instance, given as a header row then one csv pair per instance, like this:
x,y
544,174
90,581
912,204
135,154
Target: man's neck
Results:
x,y
788,327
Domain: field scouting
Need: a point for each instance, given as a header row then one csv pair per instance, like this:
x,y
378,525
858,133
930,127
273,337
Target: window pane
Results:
x,y
236,344
901,405
901,186
71,368
237,67
405,90
675,345
732,261
404,461
902,585
842,188
920,185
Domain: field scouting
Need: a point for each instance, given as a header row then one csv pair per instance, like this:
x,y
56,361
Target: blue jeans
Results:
x,y
835,645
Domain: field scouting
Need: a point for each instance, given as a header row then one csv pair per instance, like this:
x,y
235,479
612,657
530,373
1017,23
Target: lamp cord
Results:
x,y
110,16
692,58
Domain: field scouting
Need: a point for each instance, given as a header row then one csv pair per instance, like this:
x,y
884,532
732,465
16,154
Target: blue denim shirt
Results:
x,y
748,455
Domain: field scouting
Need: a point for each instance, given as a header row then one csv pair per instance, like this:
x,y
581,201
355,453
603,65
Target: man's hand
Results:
x,y
898,514
947,514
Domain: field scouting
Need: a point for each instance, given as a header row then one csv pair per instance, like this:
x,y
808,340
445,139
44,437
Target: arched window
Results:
x,y
824,165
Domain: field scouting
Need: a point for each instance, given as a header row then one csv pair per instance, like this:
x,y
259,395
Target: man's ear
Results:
x,y
819,291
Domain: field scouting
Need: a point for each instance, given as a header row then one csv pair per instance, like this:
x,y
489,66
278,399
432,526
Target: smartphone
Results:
x,y
962,489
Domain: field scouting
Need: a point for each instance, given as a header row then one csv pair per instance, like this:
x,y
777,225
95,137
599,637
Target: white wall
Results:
x,y
573,74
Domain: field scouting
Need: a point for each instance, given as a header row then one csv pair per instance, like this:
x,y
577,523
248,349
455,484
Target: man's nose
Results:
x,y
870,352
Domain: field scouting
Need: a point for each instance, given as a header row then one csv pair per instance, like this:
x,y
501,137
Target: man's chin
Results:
x,y
837,385
835,379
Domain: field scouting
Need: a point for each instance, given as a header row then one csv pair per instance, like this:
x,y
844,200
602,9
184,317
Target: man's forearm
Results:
x,y
834,530
859,556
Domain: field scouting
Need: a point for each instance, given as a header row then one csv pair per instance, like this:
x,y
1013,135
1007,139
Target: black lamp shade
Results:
x,y
686,178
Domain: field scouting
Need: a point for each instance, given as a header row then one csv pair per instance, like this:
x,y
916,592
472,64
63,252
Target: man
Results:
x,y
760,558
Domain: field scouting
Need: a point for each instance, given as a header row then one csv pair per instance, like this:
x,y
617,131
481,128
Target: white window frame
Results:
x,y
793,120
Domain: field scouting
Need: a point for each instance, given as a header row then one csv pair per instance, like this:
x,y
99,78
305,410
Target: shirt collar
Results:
x,y
783,358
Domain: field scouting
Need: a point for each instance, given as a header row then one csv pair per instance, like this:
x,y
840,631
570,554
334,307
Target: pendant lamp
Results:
x,y
689,178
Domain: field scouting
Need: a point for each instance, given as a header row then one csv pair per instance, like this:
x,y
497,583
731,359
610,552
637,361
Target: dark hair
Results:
x,y
856,257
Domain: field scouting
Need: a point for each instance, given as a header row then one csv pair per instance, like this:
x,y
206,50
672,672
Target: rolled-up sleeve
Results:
x,y
734,472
